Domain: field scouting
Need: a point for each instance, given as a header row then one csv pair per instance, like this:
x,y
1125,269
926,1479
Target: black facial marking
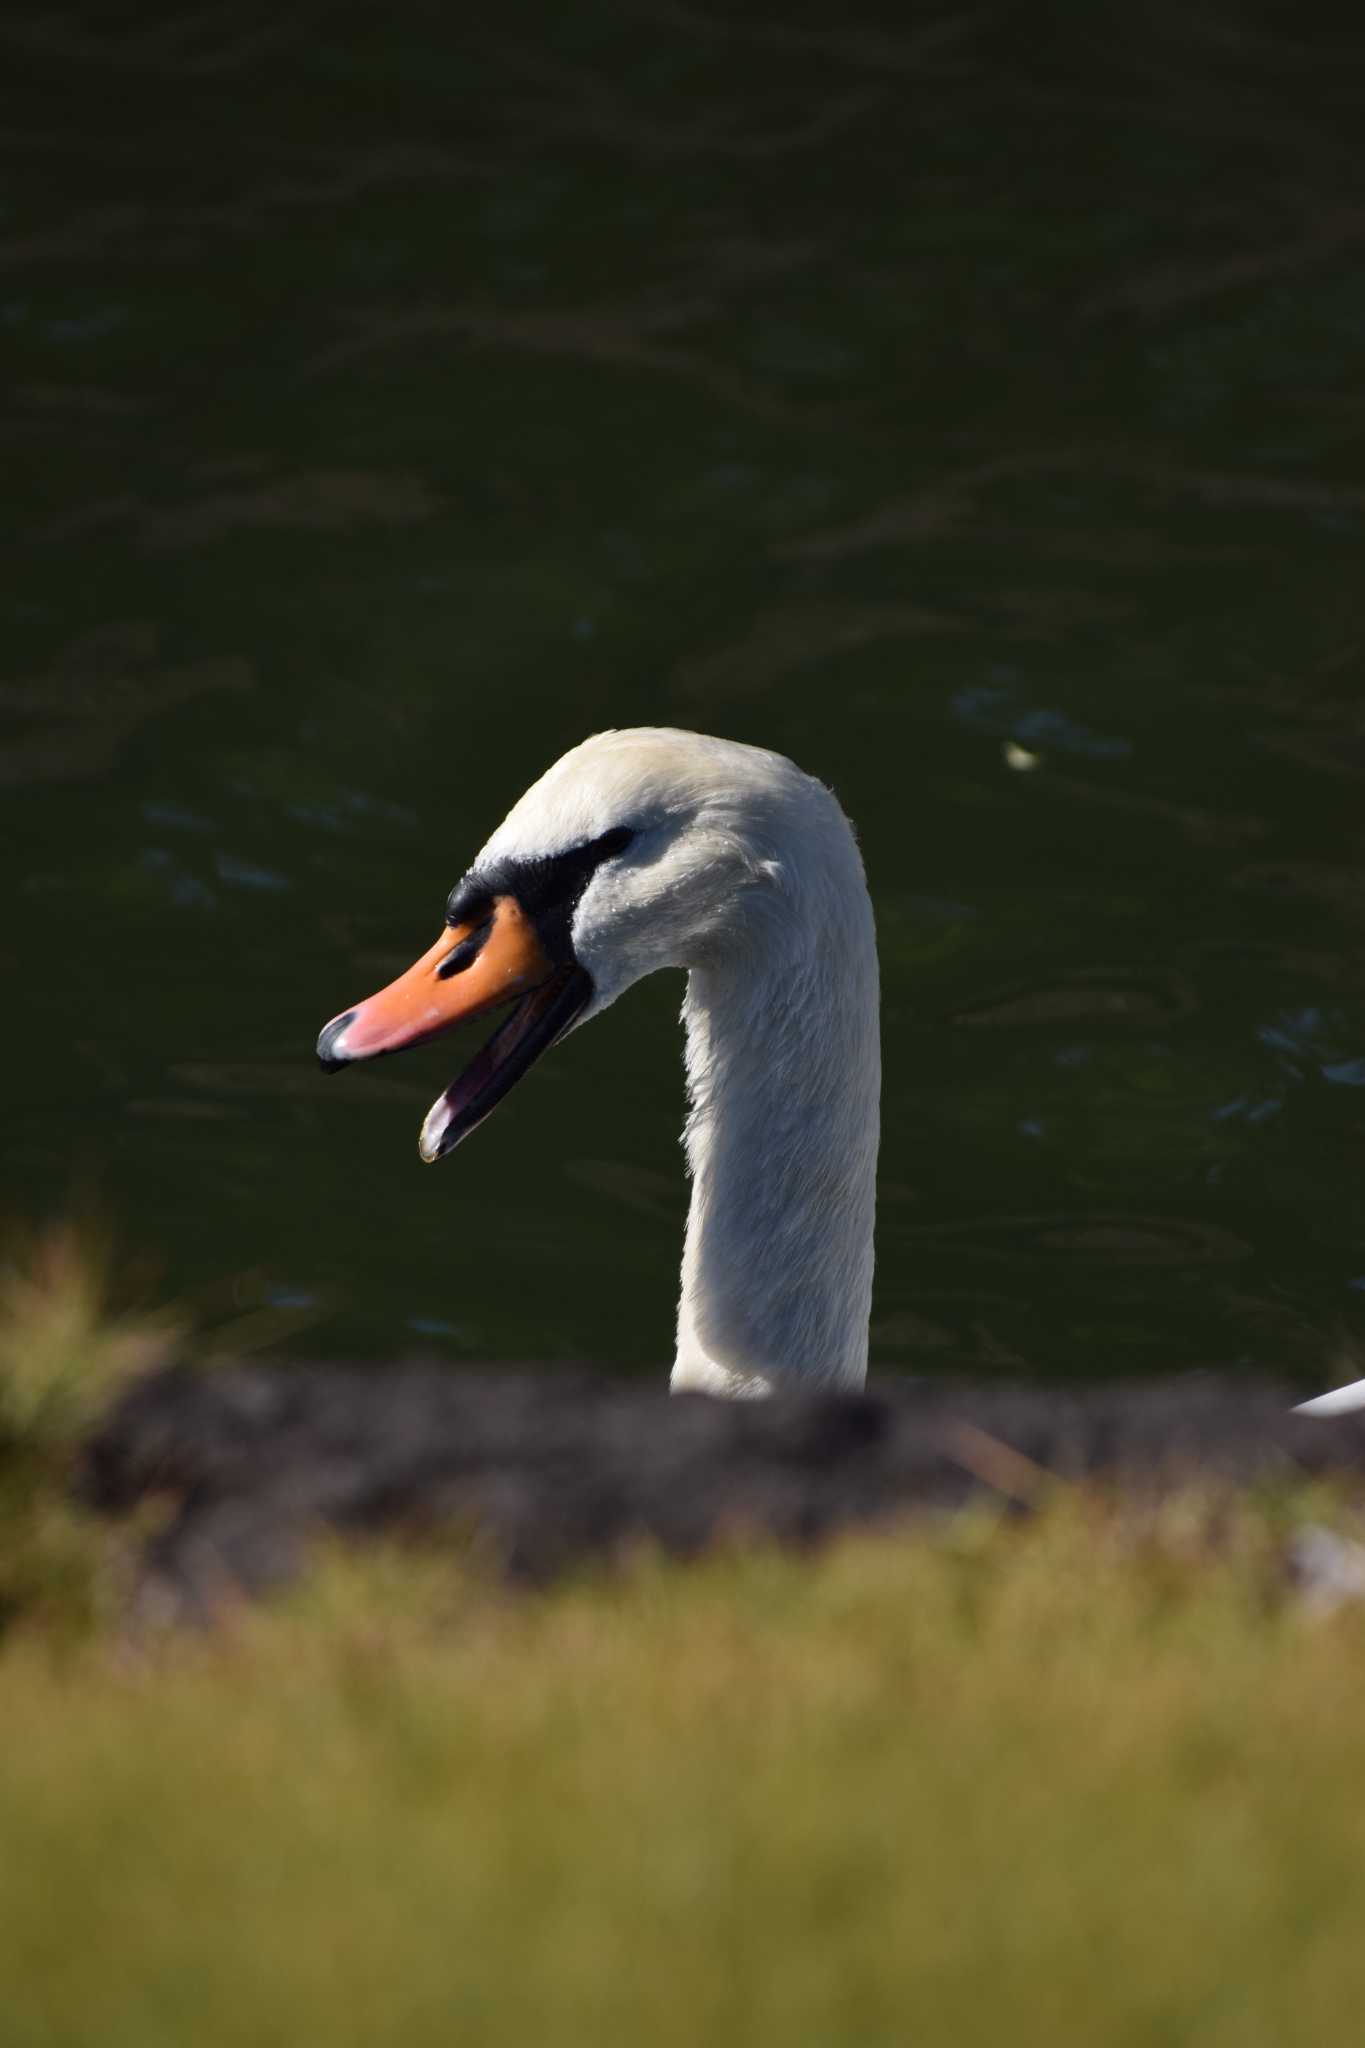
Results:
x,y
469,902
548,889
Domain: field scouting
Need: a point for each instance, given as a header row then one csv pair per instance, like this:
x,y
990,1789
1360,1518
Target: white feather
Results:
x,y
745,873
1341,1401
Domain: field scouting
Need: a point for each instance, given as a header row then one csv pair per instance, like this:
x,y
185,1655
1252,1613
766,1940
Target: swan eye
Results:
x,y
544,884
555,882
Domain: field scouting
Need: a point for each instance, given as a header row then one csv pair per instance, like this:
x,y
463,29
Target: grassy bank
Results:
x,y
1088,1779
1031,1786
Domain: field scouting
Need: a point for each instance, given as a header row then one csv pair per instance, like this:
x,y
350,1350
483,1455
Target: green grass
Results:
x,y
1096,1778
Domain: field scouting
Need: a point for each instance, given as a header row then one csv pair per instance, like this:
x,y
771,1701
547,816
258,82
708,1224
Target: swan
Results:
x,y
1345,1400
651,848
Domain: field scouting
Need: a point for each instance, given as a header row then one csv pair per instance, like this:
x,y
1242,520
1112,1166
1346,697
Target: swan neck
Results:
x,y
783,1068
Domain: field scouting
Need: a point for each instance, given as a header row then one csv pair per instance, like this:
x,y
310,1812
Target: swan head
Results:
x,y
635,851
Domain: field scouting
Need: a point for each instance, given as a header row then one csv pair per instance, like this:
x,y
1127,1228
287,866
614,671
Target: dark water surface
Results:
x,y
972,409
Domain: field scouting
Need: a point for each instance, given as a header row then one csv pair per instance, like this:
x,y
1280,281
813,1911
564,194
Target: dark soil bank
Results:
x,y
544,1467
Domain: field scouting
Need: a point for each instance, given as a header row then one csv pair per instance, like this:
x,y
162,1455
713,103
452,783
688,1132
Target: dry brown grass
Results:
x,y
66,1344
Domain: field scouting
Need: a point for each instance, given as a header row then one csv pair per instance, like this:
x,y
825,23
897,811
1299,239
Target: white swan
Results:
x,y
1341,1401
655,848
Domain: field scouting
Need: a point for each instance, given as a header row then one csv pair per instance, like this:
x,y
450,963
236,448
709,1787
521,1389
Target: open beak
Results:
x,y
470,969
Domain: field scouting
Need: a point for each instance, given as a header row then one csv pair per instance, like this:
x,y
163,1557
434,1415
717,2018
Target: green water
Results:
x,y
389,404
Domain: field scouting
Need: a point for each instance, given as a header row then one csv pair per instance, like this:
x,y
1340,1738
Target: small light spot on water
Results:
x,y
1292,1031
244,875
187,892
992,707
175,816
1248,1109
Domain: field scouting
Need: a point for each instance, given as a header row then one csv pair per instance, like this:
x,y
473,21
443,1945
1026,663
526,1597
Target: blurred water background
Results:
x,y
969,404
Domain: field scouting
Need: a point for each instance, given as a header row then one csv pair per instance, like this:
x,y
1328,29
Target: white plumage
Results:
x,y
744,872
653,848
727,861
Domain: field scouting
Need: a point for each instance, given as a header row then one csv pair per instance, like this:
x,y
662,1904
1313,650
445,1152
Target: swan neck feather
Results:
x,y
784,1078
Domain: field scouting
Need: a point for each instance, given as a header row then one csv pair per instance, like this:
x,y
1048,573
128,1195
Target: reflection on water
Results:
x,y
391,405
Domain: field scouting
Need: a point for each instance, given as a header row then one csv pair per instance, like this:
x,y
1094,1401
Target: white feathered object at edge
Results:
x,y
1341,1401
656,848
653,848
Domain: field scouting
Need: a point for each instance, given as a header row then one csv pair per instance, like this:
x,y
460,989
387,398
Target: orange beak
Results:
x,y
470,969
442,989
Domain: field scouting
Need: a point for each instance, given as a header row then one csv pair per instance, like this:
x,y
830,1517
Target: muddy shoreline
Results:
x,y
541,1468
